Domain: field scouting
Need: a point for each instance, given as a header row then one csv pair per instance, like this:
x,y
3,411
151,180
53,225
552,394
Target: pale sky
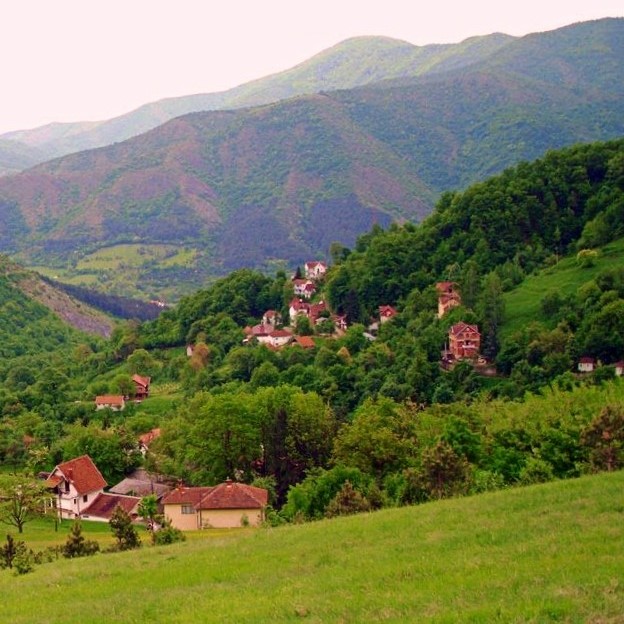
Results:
x,y
78,60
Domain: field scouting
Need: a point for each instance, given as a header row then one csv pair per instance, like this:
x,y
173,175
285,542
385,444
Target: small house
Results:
x,y
619,368
141,387
116,402
586,365
76,484
315,270
226,505
386,312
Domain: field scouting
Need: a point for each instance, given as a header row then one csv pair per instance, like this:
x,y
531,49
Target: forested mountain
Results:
x,y
355,62
276,184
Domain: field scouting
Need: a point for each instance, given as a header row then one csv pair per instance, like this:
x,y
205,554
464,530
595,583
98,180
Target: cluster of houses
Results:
x,y
77,491
589,365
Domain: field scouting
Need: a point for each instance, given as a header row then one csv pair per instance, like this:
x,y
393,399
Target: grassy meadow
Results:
x,y
523,304
546,553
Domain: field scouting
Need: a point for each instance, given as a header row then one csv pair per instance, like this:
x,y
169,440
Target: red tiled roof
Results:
x,y
104,505
461,327
82,473
150,436
109,399
586,360
387,310
142,381
231,495
228,495
280,333
186,495
306,342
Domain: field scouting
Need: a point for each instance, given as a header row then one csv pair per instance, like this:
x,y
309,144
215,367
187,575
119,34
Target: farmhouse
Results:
x,y
226,505
115,402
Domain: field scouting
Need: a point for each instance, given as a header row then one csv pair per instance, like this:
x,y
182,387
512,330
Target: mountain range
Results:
x,y
391,127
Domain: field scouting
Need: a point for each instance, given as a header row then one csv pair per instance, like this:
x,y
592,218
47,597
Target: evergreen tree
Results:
x,y
123,531
76,545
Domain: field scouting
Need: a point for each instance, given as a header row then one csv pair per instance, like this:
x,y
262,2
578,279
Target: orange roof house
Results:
x,y
226,505
464,341
141,387
115,402
76,484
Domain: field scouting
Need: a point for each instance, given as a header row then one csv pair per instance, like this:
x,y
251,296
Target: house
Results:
x,y
190,349
115,402
104,505
141,387
279,337
272,318
226,505
464,341
303,288
305,342
142,483
448,297
76,484
586,365
619,368
147,438
386,312
315,270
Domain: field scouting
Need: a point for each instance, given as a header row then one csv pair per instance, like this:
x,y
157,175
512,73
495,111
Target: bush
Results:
x,y
167,534
76,545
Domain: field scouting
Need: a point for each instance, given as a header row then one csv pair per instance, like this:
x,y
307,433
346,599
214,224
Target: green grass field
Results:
x,y
548,553
522,305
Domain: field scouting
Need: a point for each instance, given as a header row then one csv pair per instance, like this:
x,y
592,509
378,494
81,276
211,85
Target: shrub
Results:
x,y
76,545
167,534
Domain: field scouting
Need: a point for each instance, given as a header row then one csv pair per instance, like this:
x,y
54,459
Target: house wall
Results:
x,y
228,518
184,522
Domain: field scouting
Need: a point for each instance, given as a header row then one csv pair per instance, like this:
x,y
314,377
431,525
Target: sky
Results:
x,y
90,60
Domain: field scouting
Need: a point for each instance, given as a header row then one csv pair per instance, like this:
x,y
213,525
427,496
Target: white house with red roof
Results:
x,y
227,505
78,487
304,288
315,269
586,365
76,484
116,402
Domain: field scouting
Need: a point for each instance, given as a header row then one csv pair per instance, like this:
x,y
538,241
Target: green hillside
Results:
x,y
523,305
546,553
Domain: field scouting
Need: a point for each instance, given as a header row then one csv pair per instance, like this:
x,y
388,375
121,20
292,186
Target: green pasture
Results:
x,y
522,305
547,553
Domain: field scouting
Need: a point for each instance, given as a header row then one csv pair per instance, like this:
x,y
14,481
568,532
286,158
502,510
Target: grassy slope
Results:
x,y
546,553
522,305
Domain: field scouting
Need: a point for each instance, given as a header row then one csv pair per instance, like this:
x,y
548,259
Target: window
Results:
x,y
85,498
66,486
187,508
